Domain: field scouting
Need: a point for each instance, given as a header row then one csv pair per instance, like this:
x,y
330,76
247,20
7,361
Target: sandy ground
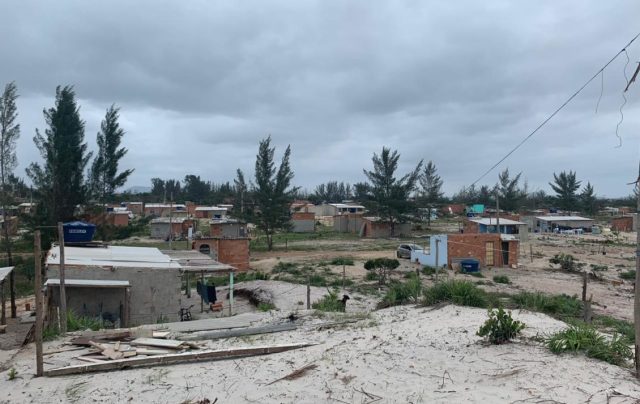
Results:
x,y
401,354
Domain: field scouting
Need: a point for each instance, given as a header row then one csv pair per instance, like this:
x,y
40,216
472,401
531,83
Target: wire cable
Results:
x,y
564,104
626,79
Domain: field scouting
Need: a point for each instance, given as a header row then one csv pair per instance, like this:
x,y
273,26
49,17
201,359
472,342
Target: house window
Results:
x,y
489,253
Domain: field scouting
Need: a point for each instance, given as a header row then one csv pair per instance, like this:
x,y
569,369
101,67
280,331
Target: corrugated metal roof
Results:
x,y
210,208
168,220
563,218
491,221
112,256
87,283
4,272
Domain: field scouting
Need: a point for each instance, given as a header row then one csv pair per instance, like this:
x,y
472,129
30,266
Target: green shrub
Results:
x,y
474,274
464,293
382,266
428,270
342,261
12,374
596,267
584,338
286,267
266,306
562,306
624,328
567,262
500,327
371,276
317,280
402,293
501,279
329,302
628,275
250,276
74,323
338,283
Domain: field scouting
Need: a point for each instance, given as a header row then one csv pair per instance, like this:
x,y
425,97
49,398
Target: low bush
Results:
x,y
74,323
500,327
474,274
562,306
586,339
342,261
624,328
286,267
428,270
501,279
628,275
371,276
402,293
266,306
464,293
317,280
567,262
383,266
596,267
250,276
329,302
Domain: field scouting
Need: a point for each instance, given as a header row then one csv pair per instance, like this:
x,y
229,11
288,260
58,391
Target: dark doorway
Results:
x,y
505,253
205,249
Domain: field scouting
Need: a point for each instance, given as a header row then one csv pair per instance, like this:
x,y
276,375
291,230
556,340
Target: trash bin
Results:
x,y
470,265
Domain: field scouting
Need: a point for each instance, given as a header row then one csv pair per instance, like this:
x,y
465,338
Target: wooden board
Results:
x,y
161,343
161,334
199,356
145,351
273,328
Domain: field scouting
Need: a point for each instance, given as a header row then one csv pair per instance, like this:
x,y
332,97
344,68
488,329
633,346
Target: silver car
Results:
x,y
404,250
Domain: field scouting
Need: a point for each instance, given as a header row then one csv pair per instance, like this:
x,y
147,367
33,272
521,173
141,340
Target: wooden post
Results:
x,y
188,286
344,274
126,321
202,291
63,292
3,316
231,293
308,293
437,258
38,291
531,251
584,286
636,299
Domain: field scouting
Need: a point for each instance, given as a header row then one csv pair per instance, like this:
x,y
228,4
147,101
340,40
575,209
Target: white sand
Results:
x,y
401,354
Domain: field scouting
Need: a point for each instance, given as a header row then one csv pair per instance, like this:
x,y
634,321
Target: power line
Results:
x,y
624,49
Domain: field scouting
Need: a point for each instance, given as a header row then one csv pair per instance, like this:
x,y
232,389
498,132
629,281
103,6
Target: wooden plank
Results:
x,y
161,334
240,332
90,359
199,356
162,343
146,351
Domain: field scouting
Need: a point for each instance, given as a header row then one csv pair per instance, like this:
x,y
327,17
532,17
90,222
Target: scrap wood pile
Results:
x,y
114,346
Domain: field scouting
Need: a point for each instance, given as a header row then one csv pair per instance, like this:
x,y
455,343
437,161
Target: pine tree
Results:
x,y
104,177
588,199
273,191
509,192
565,186
390,195
431,187
9,134
241,190
60,180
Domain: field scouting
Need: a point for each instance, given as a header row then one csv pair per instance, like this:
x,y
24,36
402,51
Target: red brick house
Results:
x,y
492,250
230,251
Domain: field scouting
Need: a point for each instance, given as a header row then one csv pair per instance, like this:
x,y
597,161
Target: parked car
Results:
x,y
404,250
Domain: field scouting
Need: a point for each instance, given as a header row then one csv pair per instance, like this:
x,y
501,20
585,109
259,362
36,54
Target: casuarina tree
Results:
x,y
509,192
565,185
431,187
9,134
390,195
104,176
60,179
588,199
272,192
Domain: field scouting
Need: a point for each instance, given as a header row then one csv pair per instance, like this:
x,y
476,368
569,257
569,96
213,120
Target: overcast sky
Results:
x,y
457,82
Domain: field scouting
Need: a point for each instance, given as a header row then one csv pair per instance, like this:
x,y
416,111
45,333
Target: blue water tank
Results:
x,y
470,265
78,232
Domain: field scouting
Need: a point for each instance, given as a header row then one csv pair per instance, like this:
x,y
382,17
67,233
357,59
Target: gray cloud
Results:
x,y
458,83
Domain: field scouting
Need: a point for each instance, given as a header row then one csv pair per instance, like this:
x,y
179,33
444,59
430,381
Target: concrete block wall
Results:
x,y
155,292
347,223
231,251
229,230
624,223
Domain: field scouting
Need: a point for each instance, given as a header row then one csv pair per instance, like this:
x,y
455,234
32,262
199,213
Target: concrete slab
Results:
x,y
241,320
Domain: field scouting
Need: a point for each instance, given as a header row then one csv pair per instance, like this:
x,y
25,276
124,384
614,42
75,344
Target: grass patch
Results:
x,y
329,302
286,267
74,323
501,279
402,292
371,276
622,327
342,261
266,306
464,293
428,270
561,306
586,339
628,275
474,274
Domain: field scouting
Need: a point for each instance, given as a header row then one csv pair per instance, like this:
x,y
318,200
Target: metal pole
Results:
x,y
3,316
231,293
63,292
437,257
38,291
636,299
308,293
171,221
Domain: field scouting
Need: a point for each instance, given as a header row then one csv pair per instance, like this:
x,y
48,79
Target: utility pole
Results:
x,y
171,221
497,212
437,258
63,292
37,256
636,299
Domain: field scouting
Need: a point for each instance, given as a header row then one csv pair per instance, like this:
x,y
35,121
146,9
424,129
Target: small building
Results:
x,y
11,223
303,222
375,227
164,209
333,209
227,228
474,210
453,209
547,224
27,208
178,227
231,251
624,223
136,208
210,212
347,223
489,225
428,255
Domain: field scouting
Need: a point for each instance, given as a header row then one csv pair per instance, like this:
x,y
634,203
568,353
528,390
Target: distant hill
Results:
x,y
137,189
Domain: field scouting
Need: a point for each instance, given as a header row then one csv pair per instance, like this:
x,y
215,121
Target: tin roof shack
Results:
x,y
98,278
230,251
624,223
227,228
375,227
178,227
484,225
210,212
546,224
165,209
347,223
332,209
303,222
492,250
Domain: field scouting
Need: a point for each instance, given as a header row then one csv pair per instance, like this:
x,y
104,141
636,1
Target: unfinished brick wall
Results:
x,y
230,251
470,227
624,223
474,246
